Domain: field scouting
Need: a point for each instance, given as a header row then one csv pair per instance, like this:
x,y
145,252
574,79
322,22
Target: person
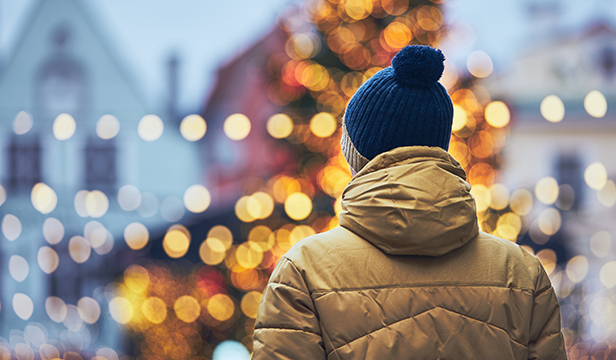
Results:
x,y
408,274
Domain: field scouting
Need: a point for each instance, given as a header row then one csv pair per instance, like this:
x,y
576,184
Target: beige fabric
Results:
x,y
352,156
408,276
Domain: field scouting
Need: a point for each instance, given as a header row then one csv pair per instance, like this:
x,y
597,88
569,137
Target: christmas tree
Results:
x,y
331,48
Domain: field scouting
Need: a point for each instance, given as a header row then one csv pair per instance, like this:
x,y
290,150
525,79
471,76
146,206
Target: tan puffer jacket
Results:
x,y
408,276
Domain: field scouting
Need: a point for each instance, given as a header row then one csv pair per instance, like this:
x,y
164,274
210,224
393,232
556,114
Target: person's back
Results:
x,y
407,275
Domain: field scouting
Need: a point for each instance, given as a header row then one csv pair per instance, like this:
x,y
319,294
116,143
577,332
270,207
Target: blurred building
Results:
x,y
562,94
241,88
72,134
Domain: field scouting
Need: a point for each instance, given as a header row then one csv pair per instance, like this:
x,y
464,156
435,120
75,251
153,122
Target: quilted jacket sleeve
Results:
x,y
546,339
287,326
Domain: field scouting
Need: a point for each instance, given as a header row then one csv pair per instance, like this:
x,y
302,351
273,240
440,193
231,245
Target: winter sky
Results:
x,y
204,33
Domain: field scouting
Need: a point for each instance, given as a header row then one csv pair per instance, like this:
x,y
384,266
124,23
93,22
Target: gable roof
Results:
x,y
33,39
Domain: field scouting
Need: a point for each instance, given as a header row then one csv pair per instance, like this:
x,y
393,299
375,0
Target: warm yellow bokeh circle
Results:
x,y
193,127
237,127
187,308
154,309
298,206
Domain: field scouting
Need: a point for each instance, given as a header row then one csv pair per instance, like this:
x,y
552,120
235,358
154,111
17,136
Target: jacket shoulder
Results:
x,y
516,255
326,244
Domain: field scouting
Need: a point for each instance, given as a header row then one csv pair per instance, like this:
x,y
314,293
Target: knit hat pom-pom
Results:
x,y
418,65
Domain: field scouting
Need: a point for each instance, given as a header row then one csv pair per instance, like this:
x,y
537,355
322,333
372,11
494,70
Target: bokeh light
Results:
x,y
18,268
80,203
48,352
193,127
601,244
23,306
577,268
260,205
497,114
237,126
22,123
547,257
73,320
595,104
552,108
607,195
212,251
107,354
64,126
56,309
79,249
521,202
11,227
279,126
479,64
250,304
107,127
129,198
121,309
150,128
298,206
88,309
197,199
242,209
230,350
154,309
136,235
607,275
2,195
499,196
137,279
53,230
546,190
96,203
221,307
176,241
460,118
595,176
549,221
43,198
323,124
483,197
101,241
48,259
223,234
249,255
187,308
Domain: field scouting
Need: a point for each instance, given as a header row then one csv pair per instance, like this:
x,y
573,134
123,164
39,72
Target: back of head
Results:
x,y
402,105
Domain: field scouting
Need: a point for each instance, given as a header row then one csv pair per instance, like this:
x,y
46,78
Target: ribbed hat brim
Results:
x,y
352,156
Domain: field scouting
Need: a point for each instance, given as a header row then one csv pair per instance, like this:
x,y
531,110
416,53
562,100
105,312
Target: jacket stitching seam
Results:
x,y
489,324
327,291
413,316
543,337
543,290
289,285
287,329
309,294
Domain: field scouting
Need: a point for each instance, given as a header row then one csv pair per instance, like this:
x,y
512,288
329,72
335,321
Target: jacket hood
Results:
x,y
411,201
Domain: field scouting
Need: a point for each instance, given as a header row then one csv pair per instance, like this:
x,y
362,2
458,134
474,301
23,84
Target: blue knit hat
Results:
x,y
401,105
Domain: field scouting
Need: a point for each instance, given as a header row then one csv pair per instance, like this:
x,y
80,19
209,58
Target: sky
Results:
x,y
206,33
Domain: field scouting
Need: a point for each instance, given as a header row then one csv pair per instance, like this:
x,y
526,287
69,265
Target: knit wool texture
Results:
x,y
403,105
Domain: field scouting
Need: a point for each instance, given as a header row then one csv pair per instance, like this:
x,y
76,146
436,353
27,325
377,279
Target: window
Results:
x,y
569,172
24,163
100,166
